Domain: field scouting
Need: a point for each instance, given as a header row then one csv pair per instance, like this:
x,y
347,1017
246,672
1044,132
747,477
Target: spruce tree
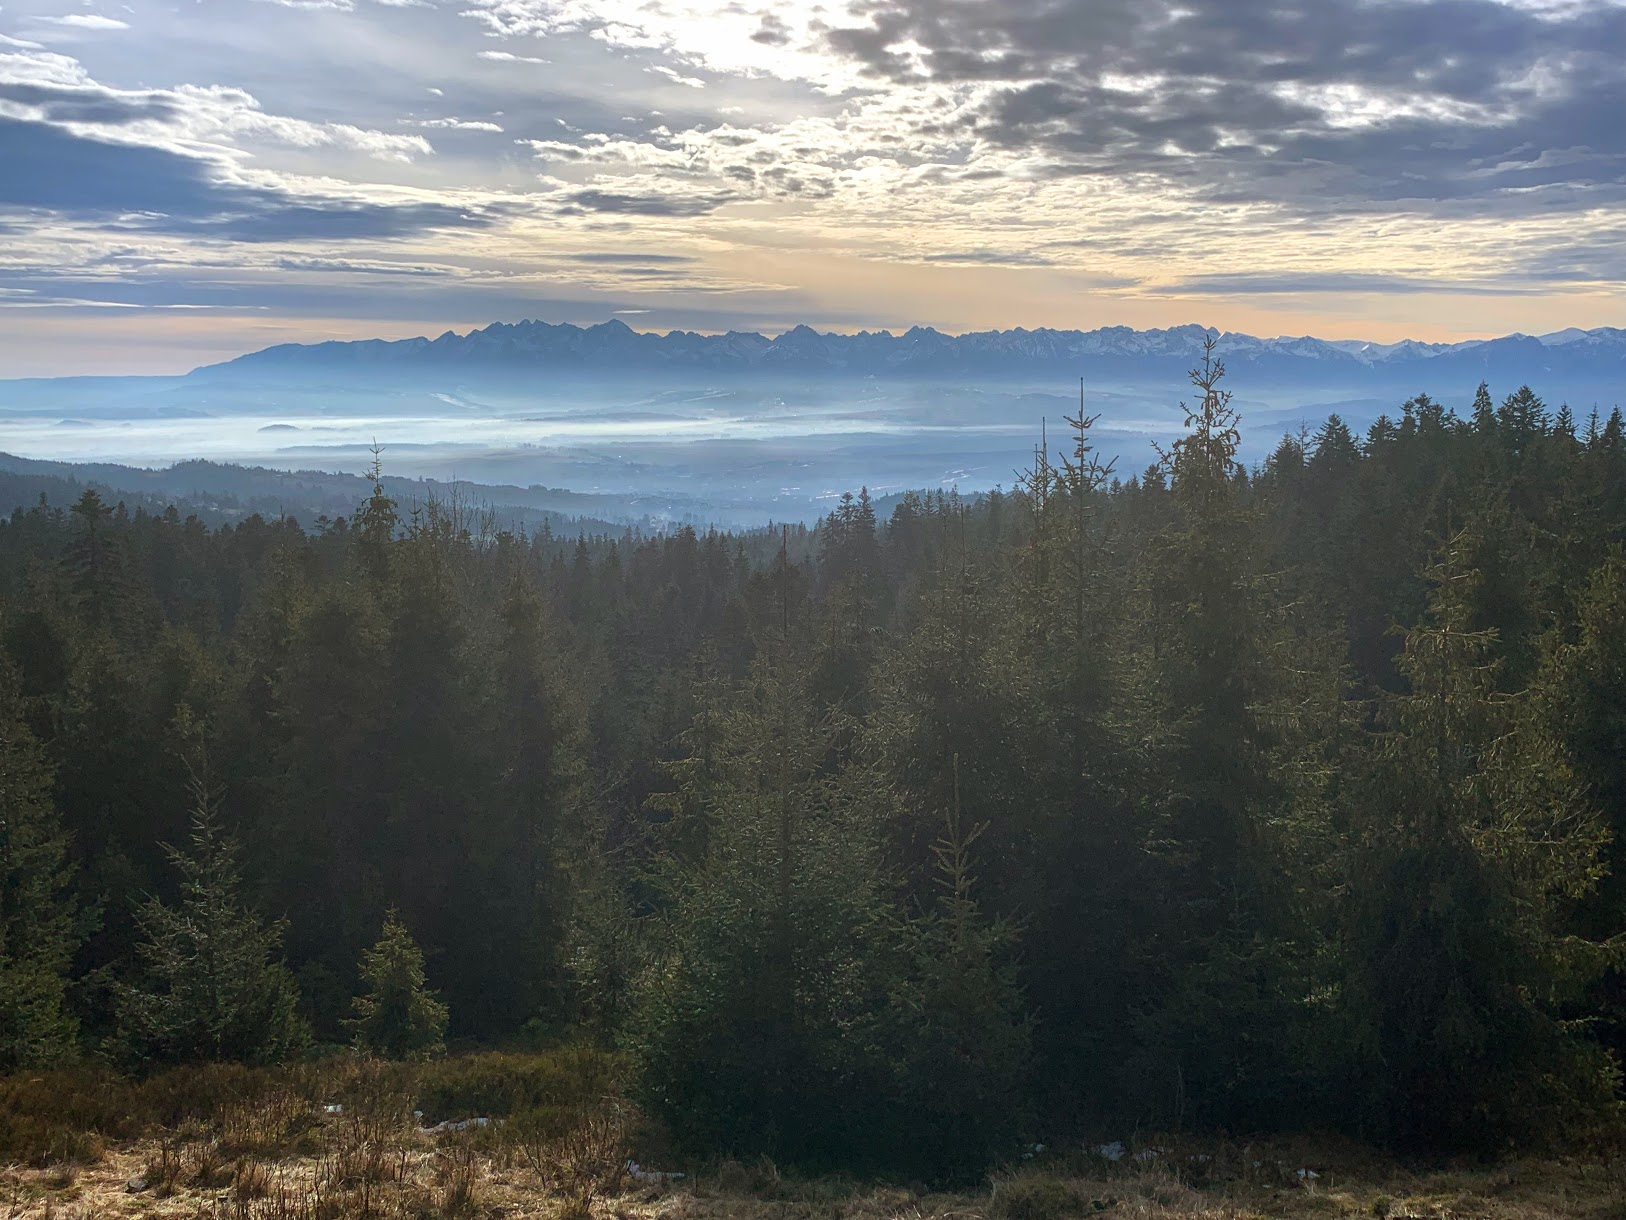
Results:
x,y
1470,839
757,1025
37,923
1581,696
397,1017
211,985
964,1042
1224,944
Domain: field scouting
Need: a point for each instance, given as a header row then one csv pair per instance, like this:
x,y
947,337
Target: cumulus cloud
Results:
x,y
1314,105
1245,150
139,187
166,160
45,87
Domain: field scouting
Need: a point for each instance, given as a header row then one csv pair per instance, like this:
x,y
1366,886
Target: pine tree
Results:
x,y
397,1017
211,986
38,928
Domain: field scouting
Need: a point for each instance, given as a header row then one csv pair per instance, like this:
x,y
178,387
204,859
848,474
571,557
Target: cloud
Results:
x,y
612,258
456,124
1341,283
508,57
645,203
672,74
353,266
86,21
49,88
990,258
1317,106
143,188
341,6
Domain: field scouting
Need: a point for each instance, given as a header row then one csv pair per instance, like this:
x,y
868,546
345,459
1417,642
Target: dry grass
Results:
x,y
360,1170
342,1141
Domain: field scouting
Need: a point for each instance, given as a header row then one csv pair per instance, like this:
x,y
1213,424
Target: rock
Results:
x,y
463,1125
639,1174
136,1185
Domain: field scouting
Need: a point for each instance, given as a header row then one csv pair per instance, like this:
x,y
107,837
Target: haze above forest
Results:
x,y
741,428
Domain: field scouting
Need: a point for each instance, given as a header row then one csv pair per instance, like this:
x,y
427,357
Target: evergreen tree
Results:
x,y
211,986
1471,837
397,1017
1581,695
757,1027
376,524
1226,946
38,929
963,1043
1484,412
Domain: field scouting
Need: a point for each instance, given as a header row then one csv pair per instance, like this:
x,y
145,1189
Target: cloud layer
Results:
x,y
1352,166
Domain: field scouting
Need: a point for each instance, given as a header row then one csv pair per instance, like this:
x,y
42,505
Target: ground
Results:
x,y
422,1176
552,1135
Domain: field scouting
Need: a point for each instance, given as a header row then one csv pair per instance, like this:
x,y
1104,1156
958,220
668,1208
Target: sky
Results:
x,y
180,183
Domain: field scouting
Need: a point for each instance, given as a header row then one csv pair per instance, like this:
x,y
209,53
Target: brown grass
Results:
x,y
228,1144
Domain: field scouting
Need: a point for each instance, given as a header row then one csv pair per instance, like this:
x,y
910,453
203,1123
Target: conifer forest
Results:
x,y
1205,797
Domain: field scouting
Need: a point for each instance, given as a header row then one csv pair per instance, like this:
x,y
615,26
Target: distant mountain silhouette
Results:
x,y
1568,356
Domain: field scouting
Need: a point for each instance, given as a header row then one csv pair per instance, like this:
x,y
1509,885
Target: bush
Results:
x,y
1038,1197
496,1085
50,1118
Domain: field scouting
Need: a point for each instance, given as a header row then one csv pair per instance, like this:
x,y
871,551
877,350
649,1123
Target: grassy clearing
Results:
x,y
349,1138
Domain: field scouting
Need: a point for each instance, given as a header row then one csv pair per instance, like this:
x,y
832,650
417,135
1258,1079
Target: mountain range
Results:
x,y
1590,356
737,428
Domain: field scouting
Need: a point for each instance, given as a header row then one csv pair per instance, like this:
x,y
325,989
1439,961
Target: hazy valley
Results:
x,y
741,429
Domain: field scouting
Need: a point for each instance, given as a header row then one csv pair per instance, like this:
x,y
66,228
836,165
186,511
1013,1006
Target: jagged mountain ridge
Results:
x,y
616,347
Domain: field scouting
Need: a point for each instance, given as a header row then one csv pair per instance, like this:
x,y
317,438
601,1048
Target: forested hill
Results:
x,y
1198,796
222,492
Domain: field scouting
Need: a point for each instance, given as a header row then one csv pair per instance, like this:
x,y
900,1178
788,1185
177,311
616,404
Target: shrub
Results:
x,y
397,1017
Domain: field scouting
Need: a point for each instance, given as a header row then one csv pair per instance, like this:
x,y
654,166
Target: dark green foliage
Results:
x,y
963,1045
756,1025
397,1017
37,925
210,986
1277,816
1470,837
